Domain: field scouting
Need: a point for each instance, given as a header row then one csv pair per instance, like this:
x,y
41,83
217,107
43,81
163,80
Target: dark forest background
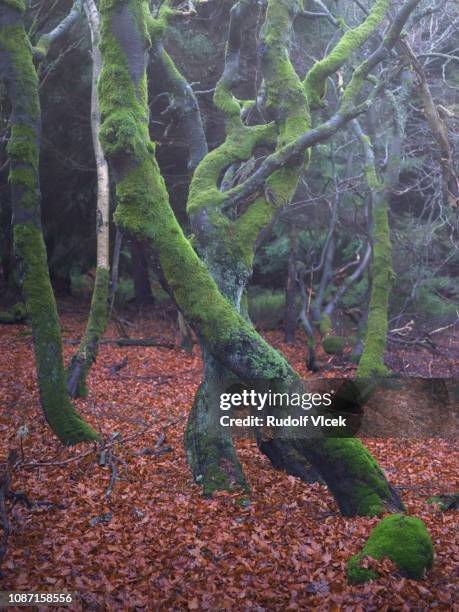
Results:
x,y
424,230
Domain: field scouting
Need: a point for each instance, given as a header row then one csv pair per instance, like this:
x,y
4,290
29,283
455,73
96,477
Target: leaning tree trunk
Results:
x,y
21,82
99,312
228,247
143,211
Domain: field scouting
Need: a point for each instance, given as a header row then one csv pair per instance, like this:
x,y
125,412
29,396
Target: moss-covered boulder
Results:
x,y
402,539
333,345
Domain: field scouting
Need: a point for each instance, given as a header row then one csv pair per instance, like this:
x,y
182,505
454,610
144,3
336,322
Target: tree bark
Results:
x,y
183,107
21,83
99,312
209,447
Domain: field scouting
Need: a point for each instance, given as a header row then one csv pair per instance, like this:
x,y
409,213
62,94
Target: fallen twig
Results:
x,y
116,367
423,342
98,448
113,477
146,342
125,342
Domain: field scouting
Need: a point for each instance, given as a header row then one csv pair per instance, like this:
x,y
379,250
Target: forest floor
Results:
x,y
147,539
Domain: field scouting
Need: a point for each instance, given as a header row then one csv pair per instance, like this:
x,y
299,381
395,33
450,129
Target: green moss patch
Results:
x,y
402,539
333,345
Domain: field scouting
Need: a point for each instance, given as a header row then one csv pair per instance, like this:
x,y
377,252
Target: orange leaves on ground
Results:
x,y
155,543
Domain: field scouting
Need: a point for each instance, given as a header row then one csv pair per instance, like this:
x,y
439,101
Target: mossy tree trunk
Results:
x,y
99,312
143,211
226,245
21,83
371,364
209,447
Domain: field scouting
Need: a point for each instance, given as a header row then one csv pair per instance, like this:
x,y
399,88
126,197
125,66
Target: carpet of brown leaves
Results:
x,y
155,543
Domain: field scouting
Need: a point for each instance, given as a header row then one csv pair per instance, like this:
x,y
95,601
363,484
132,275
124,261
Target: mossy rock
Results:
x,y
333,345
16,314
404,540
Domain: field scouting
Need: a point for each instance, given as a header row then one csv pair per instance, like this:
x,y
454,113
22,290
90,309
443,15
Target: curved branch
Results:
x,y
40,51
345,113
185,103
349,281
316,78
450,180
223,97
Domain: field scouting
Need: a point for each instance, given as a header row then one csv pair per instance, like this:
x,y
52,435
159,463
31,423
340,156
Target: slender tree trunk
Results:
x,y
185,333
319,318
312,364
21,82
290,289
372,360
99,312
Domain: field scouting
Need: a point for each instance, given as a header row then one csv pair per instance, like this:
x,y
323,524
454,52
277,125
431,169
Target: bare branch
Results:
x,y
45,41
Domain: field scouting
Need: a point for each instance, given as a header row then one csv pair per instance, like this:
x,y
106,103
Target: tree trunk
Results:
x,y
209,447
99,313
371,363
312,363
290,289
143,211
372,359
21,83
186,335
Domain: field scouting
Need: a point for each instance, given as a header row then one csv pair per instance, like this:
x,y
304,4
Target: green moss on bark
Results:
x,y
325,325
210,452
372,360
368,492
287,105
238,146
315,81
143,208
23,152
41,307
404,540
